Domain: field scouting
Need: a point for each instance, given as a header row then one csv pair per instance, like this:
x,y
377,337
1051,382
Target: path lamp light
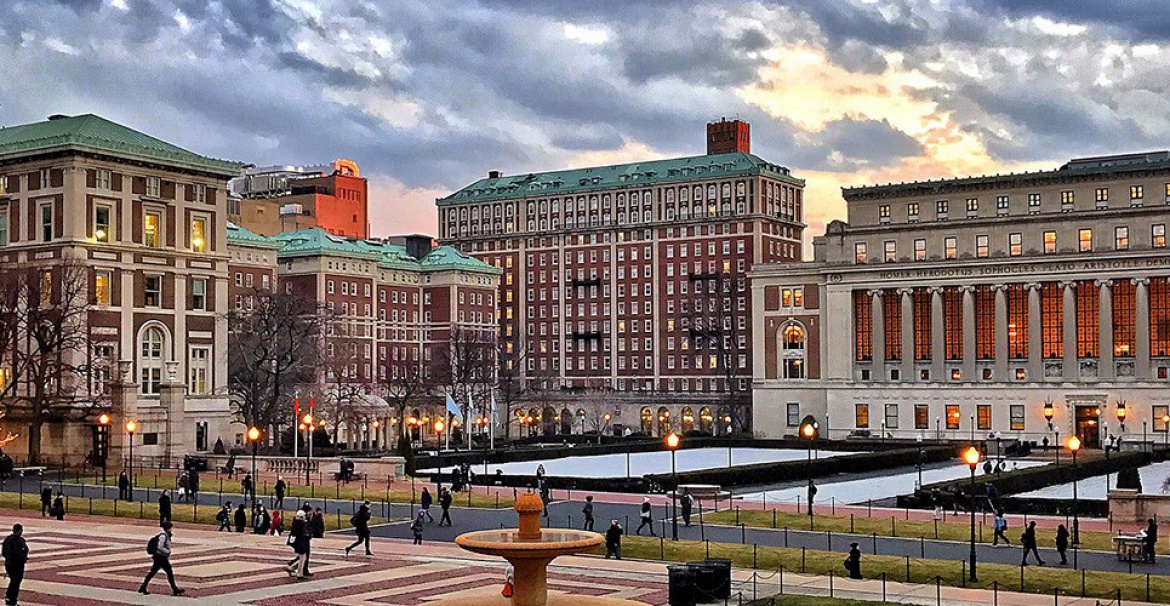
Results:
x,y
131,429
104,441
971,458
1121,414
1074,446
808,431
672,442
921,456
1166,429
307,423
254,438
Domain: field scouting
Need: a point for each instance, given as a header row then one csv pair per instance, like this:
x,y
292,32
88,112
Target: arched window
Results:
x,y
793,337
793,340
647,420
150,360
664,423
566,421
706,420
687,420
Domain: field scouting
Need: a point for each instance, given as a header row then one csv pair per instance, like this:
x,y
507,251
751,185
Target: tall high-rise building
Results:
x,y
274,199
631,280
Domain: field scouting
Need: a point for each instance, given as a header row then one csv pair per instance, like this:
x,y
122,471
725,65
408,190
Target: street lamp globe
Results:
x,y
308,419
131,426
1073,444
104,419
253,434
971,457
440,426
672,441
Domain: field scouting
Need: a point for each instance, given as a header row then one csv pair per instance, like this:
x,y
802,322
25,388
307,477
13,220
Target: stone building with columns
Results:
x,y
974,306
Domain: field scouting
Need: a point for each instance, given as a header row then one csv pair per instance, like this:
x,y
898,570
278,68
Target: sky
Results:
x,y
429,96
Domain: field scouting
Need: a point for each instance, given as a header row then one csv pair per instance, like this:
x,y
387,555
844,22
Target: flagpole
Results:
x,y
296,420
492,424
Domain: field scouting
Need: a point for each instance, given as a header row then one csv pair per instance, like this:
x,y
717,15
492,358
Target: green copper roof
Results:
x,y
316,242
447,257
240,236
637,174
87,132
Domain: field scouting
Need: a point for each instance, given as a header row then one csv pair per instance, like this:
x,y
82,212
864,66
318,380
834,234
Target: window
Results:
x,y
3,226
1157,235
1001,205
953,416
150,361
953,323
984,322
1102,197
921,416
199,293
951,246
151,229
921,302
199,234
1088,318
1015,245
884,213
891,416
981,246
972,207
863,325
892,310
202,436
940,208
1121,238
200,192
1085,240
102,280
859,255
1124,318
1033,204
197,383
1136,192
983,416
1066,200
1017,417
861,416
328,284
101,224
1049,242
1052,321
920,250
1159,412
153,187
1017,321
912,212
891,251
102,179
793,414
46,222
152,297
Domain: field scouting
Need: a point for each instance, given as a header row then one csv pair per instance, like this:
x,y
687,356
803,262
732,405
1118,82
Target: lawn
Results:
x,y
808,600
956,528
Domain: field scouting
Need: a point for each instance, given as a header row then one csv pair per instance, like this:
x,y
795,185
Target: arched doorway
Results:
x,y
664,423
566,419
647,421
706,420
548,418
687,420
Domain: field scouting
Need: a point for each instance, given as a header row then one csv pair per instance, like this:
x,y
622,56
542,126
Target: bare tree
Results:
x,y
342,386
45,345
717,309
466,365
403,381
595,411
274,346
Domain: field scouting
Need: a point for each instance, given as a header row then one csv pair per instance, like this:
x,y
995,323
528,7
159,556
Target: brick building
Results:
x,y
627,284
276,199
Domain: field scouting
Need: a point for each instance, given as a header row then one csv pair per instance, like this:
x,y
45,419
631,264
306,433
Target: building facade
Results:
x,y
628,283
144,219
275,199
979,306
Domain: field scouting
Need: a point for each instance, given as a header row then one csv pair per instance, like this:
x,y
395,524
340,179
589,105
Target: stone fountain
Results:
x,y
530,550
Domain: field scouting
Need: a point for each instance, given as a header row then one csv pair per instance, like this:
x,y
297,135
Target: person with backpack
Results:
x,y
307,510
299,537
164,507
159,549
425,504
1062,544
58,510
853,562
1028,540
647,518
613,540
1000,529
445,500
224,517
361,527
279,489
15,554
46,502
687,503
417,527
588,511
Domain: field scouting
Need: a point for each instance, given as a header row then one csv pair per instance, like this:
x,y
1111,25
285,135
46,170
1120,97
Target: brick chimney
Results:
x,y
725,137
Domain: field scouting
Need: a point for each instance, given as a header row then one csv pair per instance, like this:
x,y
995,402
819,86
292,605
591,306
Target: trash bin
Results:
x,y
722,581
682,585
704,582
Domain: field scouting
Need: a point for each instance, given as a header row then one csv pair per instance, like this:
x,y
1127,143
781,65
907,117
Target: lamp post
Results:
x,y
131,429
998,452
808,431
1074,446
1166,430
104,441
971,458
921,452
1121,414
672,442
254,438
307,423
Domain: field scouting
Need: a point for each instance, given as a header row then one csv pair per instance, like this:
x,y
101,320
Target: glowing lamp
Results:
x,y
253,434
971,457
672,441
440,426
1121,412
606,417
376,424
104,419
308,419
131,426
100,234
1048,411
1073,444
808,431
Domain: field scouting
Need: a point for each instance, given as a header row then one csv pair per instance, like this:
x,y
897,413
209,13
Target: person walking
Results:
x,y
1028,540
308,511
58,510
164,507
588,511
184,486
300,537
613,540
224,517
279,489
417,527
647,518
545,495
241,518
159,549
260,520
46,502
317,523
1062,543
123,486
276,526
445,500
425,504
361,527
687,502
15,554
192,485
1151,541
853,562
249,488
1000,528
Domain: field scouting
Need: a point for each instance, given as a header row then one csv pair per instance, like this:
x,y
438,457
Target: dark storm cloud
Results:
x,y
1130,19
849,145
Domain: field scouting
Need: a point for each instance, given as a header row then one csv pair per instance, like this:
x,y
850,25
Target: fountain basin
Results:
x,y
509,545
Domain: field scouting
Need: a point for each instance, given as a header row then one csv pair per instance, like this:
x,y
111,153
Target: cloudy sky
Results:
x,y
428,96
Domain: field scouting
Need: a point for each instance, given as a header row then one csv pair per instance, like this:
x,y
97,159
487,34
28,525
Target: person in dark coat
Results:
x,y
317,523
301,537
123,486
224,517
588,511
1151,541
687,502
279,489
15,554
161,561
1028,540
260,520
307,510
647,518
184,487
192,485
249,488
445,500
46,502
361,527
1062,543
164,507
58,510
241,518
416,527
613,540
853,562
425,504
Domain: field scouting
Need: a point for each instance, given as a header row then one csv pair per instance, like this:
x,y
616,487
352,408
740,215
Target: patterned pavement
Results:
x,y
93,561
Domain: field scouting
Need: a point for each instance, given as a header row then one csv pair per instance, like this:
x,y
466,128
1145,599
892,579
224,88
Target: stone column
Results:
x,y
907,334
1001,332
968,332
879,336
123,406
1106,369
171,397
938,343
1071,368
1035,334
1141,300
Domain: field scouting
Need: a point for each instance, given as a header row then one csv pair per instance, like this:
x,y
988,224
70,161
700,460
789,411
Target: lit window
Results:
x,y
151,227
1102,196
798,297
199,234
1017,417
1158,235
1001,204
891,251
920,250
912,211
1015,245
859,254
101,224
884,213
983,416
861,416
101,287
1137,192
940,208
1033,204
953,416
982,247
1085,237
952,247
1067,198
972,206
1049,242
1121,238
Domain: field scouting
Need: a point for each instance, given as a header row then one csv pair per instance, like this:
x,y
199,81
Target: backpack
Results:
x,y
355,519
152,545
221,516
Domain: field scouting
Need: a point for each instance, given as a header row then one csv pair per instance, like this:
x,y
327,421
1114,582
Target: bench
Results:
x,y
28,471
